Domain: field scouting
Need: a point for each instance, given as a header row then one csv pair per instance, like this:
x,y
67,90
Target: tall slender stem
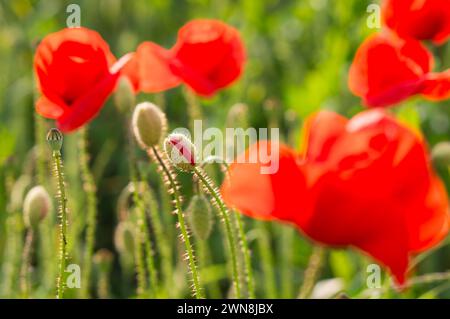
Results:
x,y
154,153
25,269
143,233
62,216
312,272
209,188
247,258
91,203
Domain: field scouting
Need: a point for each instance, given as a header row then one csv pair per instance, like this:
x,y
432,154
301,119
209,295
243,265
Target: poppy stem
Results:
x,y
62,216
140,263
91,203
247,258
171,183
143,234
312,272
25,269
12,256
160,239
267,260
212,190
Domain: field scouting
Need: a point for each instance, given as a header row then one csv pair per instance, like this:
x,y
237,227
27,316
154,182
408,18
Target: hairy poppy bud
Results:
x,y
55,139
124,97
441,154
180,151
200,217
149,124
36,206
124,238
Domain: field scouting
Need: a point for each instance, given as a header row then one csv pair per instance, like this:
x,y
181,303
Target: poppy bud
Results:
x,y
149,124
199,217
124,238
124,97
36,206
180,151
103,259
55,139
441,154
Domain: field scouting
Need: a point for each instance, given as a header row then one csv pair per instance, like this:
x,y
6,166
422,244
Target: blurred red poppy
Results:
x,y
418,19
387,70
76,73
209,55
365,182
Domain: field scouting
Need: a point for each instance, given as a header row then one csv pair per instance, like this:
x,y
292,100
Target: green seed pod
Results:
x,y
181,151
440,154
124,238
200,217
55,139
149,124
36,206
103,259
124,97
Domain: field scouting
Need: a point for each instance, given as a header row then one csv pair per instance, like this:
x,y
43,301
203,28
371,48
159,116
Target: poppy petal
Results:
x,y
265,196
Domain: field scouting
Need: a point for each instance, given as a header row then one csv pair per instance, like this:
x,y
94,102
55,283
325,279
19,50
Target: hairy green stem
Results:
x,y
62,216
247,258
312,272
140,265
143,233
211,189
173,188
91,205
160,238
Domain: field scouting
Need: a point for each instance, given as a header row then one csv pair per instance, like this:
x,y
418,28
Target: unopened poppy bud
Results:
x,y
36,206
124,97
180,151
441,154
200,217
55,139
149,124
124,238
103,259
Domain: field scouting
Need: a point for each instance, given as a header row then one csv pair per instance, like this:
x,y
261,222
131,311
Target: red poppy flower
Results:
x,y
418,19
208,56
365,182
76,73
387,70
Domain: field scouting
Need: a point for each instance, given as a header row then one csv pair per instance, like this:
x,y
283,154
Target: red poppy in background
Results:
x,y
418,19
365,182
76,73
387,70
208,56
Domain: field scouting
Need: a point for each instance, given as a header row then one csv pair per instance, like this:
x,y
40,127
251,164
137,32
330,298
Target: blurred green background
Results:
x,y
299,53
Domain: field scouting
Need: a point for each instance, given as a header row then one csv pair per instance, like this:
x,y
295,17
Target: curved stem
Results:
x,y
91,203
177,199
312,272
62,216
226,219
